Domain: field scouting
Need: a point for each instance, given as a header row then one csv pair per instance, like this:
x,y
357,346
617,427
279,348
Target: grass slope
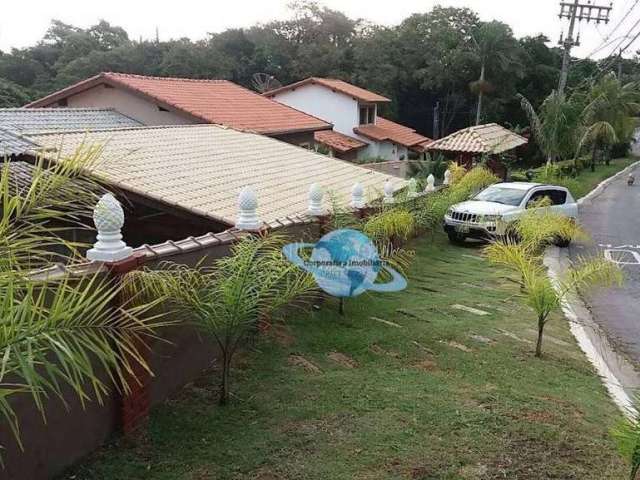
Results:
x,y
442,394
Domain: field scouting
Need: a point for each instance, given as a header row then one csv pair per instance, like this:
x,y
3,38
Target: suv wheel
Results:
x,y
456,238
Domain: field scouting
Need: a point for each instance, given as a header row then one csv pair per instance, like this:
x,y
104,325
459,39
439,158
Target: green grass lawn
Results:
x,y
405,386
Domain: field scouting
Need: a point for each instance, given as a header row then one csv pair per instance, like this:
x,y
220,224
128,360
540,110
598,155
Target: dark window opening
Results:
x,y
557,197
367,115
63,102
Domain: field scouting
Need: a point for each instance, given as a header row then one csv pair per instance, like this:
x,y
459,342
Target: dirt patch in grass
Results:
x,y
341,359
282,335
307,365
426,365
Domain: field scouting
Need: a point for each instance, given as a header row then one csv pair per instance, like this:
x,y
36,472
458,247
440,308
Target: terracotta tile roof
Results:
x,y
337,141
205,101
334,84
202,169
491,138
387,130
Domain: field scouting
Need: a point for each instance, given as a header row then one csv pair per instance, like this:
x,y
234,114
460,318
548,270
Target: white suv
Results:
x,y
489,213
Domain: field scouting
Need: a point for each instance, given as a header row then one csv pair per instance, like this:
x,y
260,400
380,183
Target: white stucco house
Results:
x,y
358,131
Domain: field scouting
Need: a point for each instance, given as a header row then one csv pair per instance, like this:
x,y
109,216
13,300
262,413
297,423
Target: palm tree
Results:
x,y
609,114
627,437
538,291
61,331
228,299
555,125
495,48
536,229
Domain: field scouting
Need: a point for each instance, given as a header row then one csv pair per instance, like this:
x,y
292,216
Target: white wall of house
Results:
x,y
128,104
386,150
321,102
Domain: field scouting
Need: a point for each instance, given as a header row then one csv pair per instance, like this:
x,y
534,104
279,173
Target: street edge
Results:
x,y
605,183
618,375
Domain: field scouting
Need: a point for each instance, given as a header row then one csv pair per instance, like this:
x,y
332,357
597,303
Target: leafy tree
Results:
x,y
496,49
609,114
12,95
555,125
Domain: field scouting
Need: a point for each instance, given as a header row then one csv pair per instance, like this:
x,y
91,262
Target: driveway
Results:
x,y
613,219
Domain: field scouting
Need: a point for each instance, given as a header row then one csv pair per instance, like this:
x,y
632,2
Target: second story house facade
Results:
x,y
156,101
358,131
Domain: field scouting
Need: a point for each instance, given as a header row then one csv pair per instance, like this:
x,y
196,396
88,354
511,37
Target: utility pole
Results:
x,y
436,121
576,11
620,65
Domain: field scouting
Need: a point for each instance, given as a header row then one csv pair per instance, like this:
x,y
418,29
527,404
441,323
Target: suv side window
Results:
x,y
557,197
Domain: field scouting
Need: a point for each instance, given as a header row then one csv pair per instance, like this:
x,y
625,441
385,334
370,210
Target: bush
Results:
x,y
471,183
429,211
390,225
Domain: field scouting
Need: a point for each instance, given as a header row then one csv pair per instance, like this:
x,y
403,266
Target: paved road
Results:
x,y
613,219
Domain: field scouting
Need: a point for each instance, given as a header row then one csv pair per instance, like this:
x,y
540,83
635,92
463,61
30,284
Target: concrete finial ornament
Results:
x,y
447,177
412,188
315,200
247,210
388,191
357,196
108,218
431,183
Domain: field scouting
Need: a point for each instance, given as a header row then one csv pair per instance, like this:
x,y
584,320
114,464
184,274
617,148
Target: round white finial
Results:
x,y
315,200
388,191
108,214
357,195
247,214
431,181
447,177
412,188
108,217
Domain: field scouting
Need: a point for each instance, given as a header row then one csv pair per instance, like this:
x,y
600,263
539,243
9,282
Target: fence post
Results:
x,y
388,192
248,211
119,259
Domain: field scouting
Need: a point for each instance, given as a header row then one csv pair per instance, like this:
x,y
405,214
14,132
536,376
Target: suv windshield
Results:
x,y
503,195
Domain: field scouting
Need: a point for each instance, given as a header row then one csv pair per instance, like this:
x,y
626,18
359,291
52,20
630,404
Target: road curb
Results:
x,y
605,183
618,375
616,372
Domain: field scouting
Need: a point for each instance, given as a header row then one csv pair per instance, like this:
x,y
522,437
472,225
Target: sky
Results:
x,y
23,22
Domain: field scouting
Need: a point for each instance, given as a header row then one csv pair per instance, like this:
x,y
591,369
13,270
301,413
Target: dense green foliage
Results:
x,y
428,58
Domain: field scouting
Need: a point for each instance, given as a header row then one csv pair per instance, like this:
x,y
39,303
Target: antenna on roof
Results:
x,y
263,82
157,34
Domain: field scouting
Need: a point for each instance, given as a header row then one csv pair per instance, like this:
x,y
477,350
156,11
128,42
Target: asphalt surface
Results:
x,y
613,219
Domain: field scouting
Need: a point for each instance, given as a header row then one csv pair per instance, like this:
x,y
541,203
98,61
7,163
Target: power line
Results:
x,y
576,11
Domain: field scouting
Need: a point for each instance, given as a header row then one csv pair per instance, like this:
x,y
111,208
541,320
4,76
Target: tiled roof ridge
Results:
x,y
328,82
180,79
140,127
58,109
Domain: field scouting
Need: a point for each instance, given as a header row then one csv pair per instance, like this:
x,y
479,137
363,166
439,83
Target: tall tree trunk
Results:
x,y
480,94
224,382
594,152
540,334
341,306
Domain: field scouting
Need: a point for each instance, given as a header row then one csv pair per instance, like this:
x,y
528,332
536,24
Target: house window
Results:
x,y
367,114
63,102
